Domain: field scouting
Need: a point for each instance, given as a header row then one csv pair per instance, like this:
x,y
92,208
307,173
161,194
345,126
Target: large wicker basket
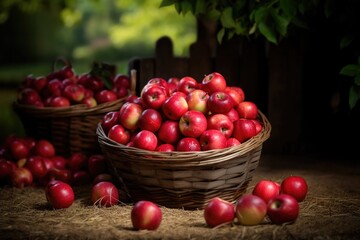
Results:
x,y
185,179
70,129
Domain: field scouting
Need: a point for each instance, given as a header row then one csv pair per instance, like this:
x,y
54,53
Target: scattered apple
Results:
x,y
218,211
283,209
295,186
250,210
146,215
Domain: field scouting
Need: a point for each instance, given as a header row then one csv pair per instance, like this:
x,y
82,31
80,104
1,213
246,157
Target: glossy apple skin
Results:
x,y
247,110
104,194
109,120
187,85
59,102
153,96
174,107
232,142
295,186
119,134
220,102
213,82
235,95
59,194
145,140
222,123
197,100
21,177
212,139
97,164
44,148
250,210
37,166
218,211
232,115
192,123
77,161
105,95
150,119
244,129
188,144
165,147
169,132
129,115
74,92
266,189
282,209
146,215
18,149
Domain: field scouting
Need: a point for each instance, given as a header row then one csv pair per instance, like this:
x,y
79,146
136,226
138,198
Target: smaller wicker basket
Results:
x,y
185,179
70,129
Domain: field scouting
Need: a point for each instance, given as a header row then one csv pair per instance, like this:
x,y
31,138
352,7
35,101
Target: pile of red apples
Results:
x,y
184,115
27,162
63,88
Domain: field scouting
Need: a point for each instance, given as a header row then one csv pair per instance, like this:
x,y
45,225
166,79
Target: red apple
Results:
x,y
244,129
240,92
258,125
146,215
64,175
77,161
97,164
247,110
59,162
283,209
234,94
81,178
266,189
122,80
59,194
74,92
174,107
53,88
160,81
173,80
212,139
104,194
169,132
59,102
165,147
89,101
37,167
44,148
250,210
179,93
220,102
102,177
19,149
150,119
187,84
192,123
129,115
109,120
188,144
222,123
39,83
213,82
29,96
134,99
218,212
232,142
119,134
5,169
197,100
145,140
295,186
120,91
105,95
153,96
21,177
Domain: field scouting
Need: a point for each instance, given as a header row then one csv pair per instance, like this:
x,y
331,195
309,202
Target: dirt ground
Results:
x,y
330,211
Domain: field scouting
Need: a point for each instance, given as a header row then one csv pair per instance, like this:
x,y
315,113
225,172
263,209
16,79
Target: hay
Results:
x,y
330,211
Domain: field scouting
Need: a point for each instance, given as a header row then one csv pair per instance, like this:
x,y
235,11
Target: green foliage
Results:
x,y
353,70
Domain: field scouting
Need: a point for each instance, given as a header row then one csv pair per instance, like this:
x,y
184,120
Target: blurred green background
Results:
x,y
35,32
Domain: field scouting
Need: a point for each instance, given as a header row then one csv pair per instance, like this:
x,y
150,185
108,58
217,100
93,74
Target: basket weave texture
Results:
x,y
70,129
185,179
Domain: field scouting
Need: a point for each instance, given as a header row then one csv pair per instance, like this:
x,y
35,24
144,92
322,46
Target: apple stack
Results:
x,y
182,142
65,107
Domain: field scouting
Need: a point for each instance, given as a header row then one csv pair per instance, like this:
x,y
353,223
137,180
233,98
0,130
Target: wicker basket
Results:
x,y
70,129
185,179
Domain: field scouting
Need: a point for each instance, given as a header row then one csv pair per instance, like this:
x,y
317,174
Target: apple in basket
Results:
x,y
222,123
187,84
153,95
169,132
192,123
212,139
220,102
150,119
247,110
213,82
174,107
218,211
197,100
244,129
188,144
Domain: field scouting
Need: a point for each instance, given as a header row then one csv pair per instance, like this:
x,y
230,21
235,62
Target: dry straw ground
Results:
x,y
330,211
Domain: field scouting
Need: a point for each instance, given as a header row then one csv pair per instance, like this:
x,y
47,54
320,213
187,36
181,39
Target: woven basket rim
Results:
x,y
196,158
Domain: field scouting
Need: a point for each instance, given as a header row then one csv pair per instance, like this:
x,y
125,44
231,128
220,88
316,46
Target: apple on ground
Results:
x,y
283,208
295,186
266,189
97,164
146,215
21,177
192,123
81,178
174,107
188,144
212,139
37,167
59,162
44,148
59,194
220,102
213,82
169,132
250,210
77,161
19,149
104,194
218,212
